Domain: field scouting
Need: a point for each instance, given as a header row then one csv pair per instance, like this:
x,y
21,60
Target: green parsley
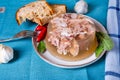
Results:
x,y
41,47
105,43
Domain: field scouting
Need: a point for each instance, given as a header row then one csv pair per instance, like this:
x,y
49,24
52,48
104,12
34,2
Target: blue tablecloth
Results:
x,y
26,64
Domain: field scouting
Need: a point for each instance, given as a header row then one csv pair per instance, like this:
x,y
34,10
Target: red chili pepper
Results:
x,y
39,28
42,34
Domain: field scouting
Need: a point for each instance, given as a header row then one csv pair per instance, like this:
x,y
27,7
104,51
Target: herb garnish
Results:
x,y
41,47
105,43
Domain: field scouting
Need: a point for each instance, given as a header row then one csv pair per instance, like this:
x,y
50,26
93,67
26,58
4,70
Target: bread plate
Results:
x,y
49,58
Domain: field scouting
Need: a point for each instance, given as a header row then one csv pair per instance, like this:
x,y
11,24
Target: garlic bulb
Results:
x,y
81,7
6,53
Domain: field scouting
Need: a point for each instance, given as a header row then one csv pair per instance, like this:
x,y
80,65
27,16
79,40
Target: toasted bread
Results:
x,y
39,12
57,9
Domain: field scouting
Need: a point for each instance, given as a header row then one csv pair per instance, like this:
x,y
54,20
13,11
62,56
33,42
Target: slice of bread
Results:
x,y
57,9
34,11
39,12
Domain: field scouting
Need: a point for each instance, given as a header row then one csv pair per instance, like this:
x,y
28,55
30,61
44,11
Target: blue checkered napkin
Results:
x,y
112,66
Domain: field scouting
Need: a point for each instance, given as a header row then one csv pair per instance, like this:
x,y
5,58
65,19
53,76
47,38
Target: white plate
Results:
x,y
67,64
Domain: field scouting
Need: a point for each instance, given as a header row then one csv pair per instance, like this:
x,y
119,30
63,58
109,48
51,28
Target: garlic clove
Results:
x,y
81,7
6,53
